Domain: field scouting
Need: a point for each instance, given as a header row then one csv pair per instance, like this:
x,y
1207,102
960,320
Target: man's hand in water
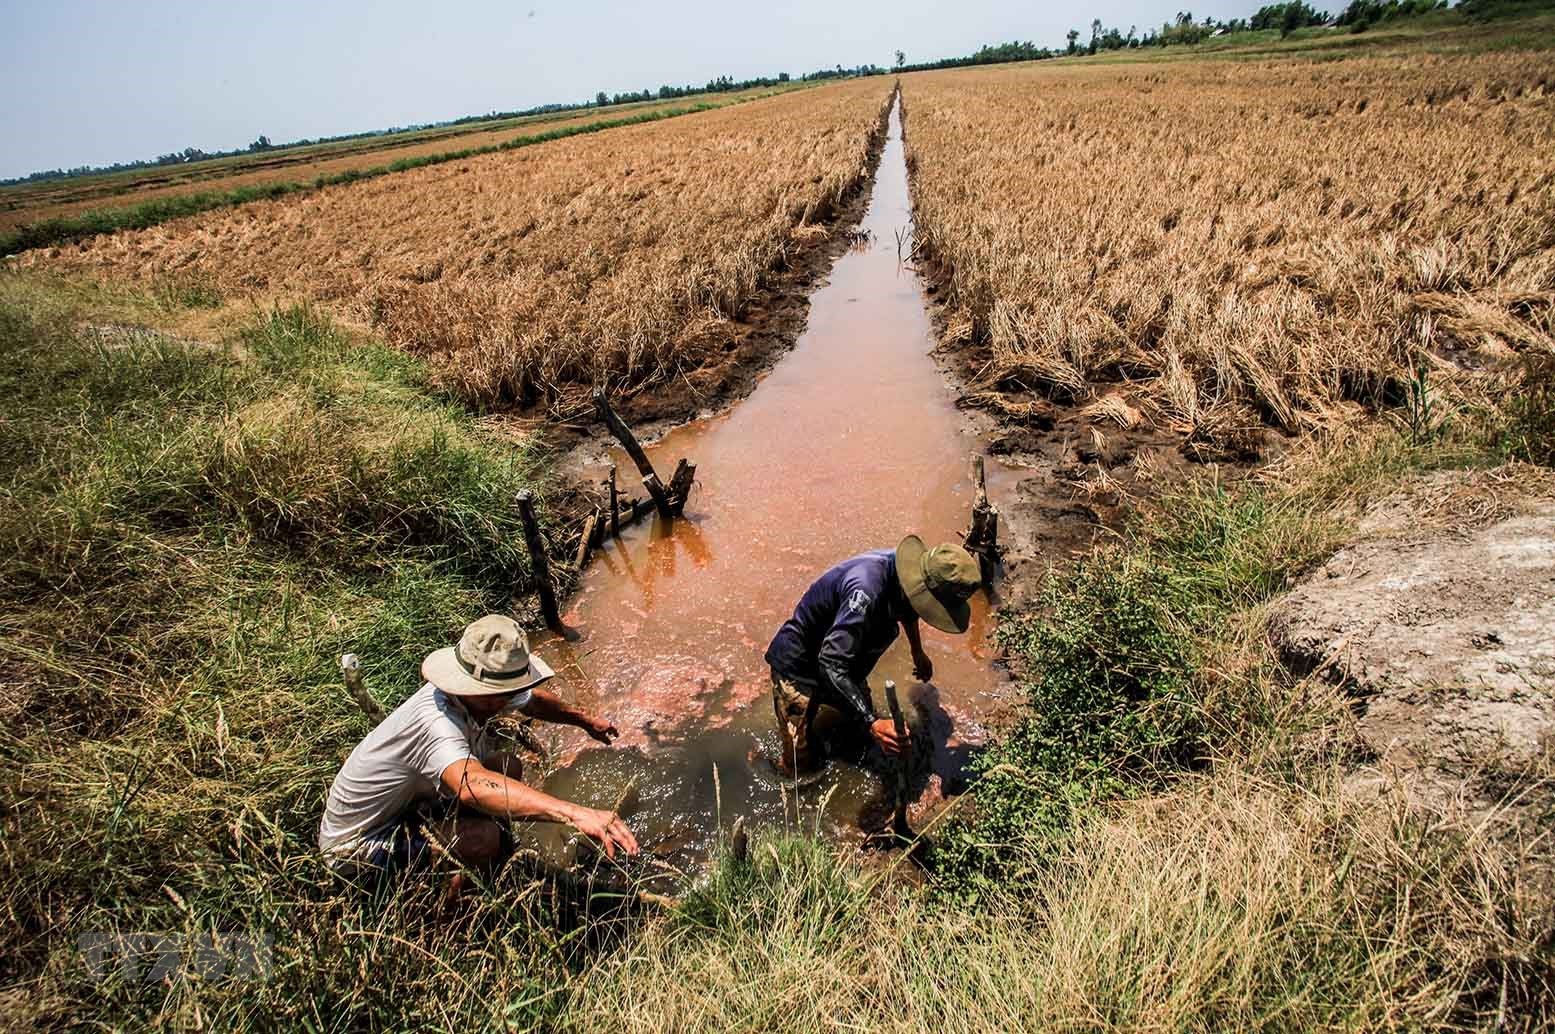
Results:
x,y
884,732
605,827
922,667
602,730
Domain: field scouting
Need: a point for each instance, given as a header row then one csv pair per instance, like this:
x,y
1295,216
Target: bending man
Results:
x,y
426,768
822,656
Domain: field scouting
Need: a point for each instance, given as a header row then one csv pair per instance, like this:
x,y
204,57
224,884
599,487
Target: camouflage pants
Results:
x,y
796,713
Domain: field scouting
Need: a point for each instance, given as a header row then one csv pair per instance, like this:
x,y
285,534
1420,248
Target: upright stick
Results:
x,y
899,818
351,668
982,535
680,485
615,505
586,542
628,442
537,560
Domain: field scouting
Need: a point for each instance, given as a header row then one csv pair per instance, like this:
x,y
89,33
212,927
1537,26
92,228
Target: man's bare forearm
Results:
x,y
914,639
495,794
549,708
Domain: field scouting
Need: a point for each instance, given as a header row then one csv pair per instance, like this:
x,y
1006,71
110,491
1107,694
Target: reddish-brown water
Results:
x,y
850,442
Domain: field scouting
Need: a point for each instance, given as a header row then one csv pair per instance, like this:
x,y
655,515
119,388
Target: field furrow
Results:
x,y
618,259
1235,247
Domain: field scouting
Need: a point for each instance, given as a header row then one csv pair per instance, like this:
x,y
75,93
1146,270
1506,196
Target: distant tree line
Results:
x,y
188,154
263,143
1183,29
1015,50
1363,14
1284,17
727,84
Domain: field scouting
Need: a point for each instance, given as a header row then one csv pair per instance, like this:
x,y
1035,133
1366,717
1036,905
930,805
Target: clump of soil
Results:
x,y
1439,622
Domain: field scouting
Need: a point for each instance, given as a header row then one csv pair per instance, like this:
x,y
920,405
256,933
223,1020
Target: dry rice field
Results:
x,y
1222,247
620,258
27,203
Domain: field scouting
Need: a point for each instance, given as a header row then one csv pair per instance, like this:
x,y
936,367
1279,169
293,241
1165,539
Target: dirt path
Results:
x,y
1438,621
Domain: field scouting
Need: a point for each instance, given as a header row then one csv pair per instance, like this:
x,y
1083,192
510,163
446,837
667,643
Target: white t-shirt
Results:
x,y
400,763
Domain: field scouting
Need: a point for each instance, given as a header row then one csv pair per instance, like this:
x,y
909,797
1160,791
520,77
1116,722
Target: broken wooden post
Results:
x,y
538,563
628,442
586,542
615,505
659,494
982,536
680,485
351,668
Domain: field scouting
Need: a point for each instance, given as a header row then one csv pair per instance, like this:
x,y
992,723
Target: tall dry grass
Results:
x,y
1237,246
617,259
1235,903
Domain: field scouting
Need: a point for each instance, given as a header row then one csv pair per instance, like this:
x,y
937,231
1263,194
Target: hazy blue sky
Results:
x,y
96,81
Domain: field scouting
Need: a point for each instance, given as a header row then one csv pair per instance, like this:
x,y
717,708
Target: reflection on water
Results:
x,y
852,441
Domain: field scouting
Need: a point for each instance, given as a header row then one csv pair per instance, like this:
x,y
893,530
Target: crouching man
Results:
x,y
426,769
822,656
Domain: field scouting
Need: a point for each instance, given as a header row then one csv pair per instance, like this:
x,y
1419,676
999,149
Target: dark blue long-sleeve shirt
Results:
x,y
842,625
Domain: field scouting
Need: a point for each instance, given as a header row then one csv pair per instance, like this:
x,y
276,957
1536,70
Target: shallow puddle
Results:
x,y
850,442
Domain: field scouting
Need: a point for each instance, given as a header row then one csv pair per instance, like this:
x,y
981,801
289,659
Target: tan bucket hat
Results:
x,y
492,657
938,582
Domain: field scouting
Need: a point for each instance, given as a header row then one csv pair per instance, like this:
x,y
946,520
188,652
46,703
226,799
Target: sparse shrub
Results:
x,y
1528,431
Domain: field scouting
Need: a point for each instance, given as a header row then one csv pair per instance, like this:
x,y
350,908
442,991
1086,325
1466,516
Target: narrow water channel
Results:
x,y
850,442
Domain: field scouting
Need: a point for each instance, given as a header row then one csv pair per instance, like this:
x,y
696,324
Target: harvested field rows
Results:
x,y
30,203
1228,247
621,258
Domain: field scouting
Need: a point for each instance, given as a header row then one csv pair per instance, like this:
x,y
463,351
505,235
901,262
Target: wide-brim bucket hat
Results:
x,y
492,658
938,582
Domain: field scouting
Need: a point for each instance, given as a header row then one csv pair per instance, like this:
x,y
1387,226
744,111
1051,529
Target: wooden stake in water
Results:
x,y
982,537
615,505
538,562
899,818
585,542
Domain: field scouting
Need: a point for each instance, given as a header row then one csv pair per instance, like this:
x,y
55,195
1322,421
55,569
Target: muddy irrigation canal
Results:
x,y
851,441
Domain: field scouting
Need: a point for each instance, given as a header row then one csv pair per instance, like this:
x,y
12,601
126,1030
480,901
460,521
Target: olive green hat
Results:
x,y
938,582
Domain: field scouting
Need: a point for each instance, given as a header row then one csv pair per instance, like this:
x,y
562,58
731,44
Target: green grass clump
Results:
x,y
1528,429
1148,658
1111,656
190,535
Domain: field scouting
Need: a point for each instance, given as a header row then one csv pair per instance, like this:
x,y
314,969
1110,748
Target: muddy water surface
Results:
x,y
850,442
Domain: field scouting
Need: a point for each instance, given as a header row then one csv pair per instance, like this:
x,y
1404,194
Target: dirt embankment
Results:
x,y
1438,621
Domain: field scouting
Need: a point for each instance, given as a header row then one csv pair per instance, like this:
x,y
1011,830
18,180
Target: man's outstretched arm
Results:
x,y
548,707
495,794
